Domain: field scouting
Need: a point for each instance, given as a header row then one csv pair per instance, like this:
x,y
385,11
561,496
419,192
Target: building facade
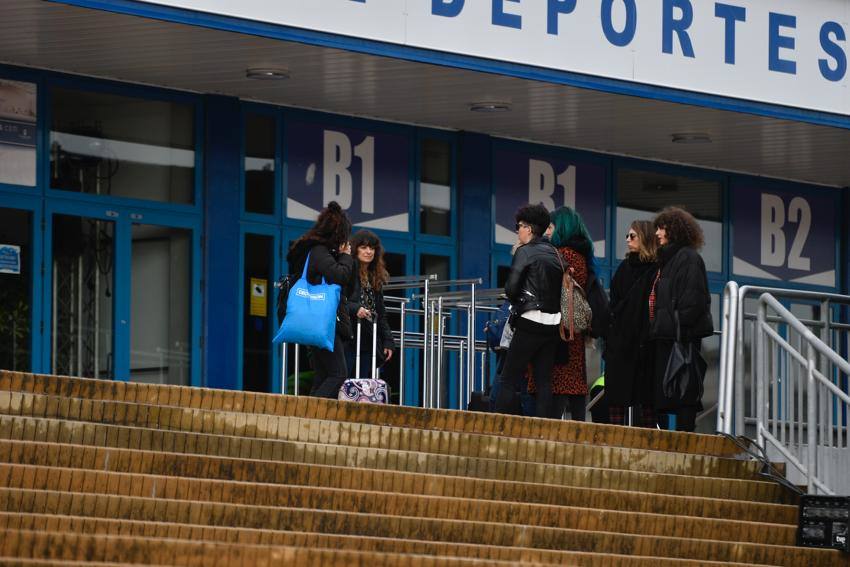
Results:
x,y
156,158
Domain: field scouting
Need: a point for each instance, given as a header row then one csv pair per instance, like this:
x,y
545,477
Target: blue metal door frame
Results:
x,y
33,205
274,379
123,219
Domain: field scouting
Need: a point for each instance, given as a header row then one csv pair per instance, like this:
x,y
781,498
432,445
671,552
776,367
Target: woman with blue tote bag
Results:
x,y
327,254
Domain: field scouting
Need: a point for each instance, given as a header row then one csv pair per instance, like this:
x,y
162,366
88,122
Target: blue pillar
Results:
x,y
222,171
476,218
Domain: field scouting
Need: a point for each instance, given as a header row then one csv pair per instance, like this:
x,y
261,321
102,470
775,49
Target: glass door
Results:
x,y
82,296
160,304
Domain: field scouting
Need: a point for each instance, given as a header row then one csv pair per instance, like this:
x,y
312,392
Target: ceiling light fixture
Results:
x,y
490,106
691,138
267,73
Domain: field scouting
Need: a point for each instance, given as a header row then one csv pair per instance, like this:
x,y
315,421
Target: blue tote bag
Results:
x,y
310,313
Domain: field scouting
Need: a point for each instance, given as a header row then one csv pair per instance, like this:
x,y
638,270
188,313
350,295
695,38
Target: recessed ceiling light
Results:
x,y
691,138
267,73
490,106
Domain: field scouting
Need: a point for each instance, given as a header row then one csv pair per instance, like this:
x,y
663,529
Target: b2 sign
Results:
x,y
784,235
367,173
520,177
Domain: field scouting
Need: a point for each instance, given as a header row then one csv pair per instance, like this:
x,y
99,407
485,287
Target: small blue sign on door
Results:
x,y
10,259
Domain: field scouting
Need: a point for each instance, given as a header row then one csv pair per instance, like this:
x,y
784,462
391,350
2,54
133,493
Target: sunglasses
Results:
x,y
631,236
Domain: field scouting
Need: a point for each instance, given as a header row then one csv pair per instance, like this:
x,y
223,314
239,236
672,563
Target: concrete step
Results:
x,y
94,434
262,497
331,541
325,432
64,545
341,477
407,417
404,527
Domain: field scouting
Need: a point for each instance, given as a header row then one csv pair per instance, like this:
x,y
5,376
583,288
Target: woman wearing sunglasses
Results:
x,y
628,361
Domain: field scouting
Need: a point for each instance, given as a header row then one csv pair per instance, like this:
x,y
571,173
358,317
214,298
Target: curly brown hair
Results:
x,y
681,227
375,272
332,228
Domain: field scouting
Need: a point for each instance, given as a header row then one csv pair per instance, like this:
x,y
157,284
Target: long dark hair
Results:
x,y
647,243
332,228
375,272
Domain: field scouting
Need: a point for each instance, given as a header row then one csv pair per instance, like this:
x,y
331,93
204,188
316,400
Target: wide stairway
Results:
x,y
102,472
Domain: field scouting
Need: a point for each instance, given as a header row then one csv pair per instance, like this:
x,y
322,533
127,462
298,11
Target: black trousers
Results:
x,y
534,343
686,418
576,403
331,370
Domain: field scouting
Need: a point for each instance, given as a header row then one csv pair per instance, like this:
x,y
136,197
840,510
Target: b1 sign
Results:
x,y
785,52
521,177
367,173
783,234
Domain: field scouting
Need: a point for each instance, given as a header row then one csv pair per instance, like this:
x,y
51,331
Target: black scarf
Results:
x,y
666,252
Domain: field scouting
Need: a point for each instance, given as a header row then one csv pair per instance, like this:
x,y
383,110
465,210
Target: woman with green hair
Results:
x,y
569,375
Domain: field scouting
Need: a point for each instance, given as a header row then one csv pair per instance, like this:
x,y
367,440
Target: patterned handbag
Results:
x,y
369,390
576,314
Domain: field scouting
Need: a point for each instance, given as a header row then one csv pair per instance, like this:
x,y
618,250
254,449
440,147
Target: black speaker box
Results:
x,y
823,522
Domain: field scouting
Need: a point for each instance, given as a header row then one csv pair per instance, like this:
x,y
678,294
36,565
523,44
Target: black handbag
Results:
x,y
685,368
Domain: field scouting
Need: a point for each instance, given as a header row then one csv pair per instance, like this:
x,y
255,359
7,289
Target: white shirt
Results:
x,y
543,318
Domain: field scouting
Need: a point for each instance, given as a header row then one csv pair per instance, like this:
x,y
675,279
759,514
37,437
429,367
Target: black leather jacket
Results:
x,y
535,278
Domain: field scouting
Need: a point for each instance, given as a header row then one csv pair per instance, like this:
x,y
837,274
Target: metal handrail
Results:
x,y
731,388
814,347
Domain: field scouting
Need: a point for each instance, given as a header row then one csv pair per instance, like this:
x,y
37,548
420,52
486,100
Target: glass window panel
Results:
x,y
160,312
107,144
15,289
260,149
641,194
257,315
17,132
435,188
83,296
432,264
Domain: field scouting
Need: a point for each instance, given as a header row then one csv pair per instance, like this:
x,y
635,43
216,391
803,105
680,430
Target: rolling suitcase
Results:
x,y
370,390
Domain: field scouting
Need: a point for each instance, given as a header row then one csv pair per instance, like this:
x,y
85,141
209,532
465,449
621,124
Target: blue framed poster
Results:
x,y
784,233
522,176
366,172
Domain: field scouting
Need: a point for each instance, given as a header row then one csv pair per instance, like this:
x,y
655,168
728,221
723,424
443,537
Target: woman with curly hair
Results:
x,y
628,370
678,297
366,302
329,252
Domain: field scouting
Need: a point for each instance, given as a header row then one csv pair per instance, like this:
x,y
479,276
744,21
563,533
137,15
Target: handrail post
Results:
x,y
460,389
283,367
737,403
470,366
401,356
440,347
759,372
811,430
297,354
426,391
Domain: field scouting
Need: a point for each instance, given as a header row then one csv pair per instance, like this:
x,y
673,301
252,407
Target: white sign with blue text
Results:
x,y
786,52
10,259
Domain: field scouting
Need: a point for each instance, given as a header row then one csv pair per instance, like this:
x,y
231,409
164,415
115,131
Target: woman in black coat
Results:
x,y
330,258
678,297
366,304
628,368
